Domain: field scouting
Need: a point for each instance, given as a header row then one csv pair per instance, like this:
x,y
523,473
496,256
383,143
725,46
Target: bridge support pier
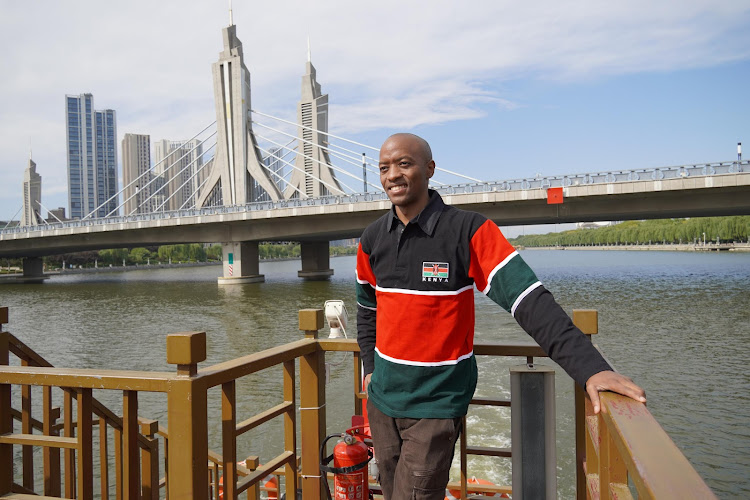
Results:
x,y
33,270
241,263
315,261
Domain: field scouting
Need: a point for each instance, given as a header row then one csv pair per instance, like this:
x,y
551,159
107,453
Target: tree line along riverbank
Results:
x,y
665,232
163,255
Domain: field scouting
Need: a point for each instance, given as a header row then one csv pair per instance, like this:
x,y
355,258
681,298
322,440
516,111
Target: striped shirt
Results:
x,y
415,318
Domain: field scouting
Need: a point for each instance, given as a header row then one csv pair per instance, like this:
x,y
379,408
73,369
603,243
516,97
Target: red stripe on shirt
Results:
x,y
445,326
364,271
486,253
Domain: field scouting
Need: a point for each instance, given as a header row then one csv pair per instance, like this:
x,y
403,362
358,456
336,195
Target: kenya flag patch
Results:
x,y
435,270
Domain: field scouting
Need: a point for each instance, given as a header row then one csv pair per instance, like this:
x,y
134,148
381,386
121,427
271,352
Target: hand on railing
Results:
x,y
612,381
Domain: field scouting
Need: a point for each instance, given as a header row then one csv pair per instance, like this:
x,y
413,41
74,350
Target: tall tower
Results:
x,y
238,160
106,162
92,157
136,174
32,196
313,165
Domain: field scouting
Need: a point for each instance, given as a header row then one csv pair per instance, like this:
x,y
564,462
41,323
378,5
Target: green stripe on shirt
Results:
x,y
510,281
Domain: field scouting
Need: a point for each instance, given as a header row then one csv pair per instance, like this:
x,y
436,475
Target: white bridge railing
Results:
x,y
539,182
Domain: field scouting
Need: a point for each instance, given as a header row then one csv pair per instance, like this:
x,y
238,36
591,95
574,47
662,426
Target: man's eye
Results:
x,y
383,169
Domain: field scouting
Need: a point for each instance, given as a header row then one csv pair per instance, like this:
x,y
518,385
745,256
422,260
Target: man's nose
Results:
x,y
393,173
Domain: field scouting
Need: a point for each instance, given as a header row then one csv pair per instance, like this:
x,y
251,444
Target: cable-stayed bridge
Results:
x,y
251,177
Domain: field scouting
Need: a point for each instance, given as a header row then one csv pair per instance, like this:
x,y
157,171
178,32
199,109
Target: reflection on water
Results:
x,y
675,322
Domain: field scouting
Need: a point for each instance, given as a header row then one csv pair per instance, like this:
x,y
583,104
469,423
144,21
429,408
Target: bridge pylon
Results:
x,y
313,176
237,160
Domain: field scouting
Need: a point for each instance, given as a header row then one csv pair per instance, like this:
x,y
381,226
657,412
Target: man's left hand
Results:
x,y
612,381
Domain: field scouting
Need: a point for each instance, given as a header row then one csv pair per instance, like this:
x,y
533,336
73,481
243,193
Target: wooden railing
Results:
x,y
625,435
624,441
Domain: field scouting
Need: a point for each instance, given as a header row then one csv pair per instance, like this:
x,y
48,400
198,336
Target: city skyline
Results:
x,y
500,91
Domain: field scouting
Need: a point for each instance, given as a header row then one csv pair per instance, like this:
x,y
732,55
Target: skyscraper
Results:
x,y
32,196
136,174
92,157
178,164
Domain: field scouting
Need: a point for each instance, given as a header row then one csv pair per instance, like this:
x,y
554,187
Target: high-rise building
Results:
x,y
32,196
136,174
179,166
92,157
56,215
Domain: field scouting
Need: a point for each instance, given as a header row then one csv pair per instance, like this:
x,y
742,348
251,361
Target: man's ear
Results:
x,y
430,168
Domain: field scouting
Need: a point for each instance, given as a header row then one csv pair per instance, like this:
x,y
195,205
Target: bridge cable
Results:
x,y
310,128
363,145
147,171
334,167
155,177
188,180
180,172
355,160
279,176
11,219
316,161
306,173
48,211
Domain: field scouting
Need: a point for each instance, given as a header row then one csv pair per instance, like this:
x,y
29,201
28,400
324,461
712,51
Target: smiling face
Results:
x,y
406,166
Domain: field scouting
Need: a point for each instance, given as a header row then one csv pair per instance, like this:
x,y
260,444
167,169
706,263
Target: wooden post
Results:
x,y
357,384
150,460
103,459
312,407
290,431
130,469
51,455
252,463
85,445
188,419
118,463
27,450
6,421
587,320
229,439
611,467
69,454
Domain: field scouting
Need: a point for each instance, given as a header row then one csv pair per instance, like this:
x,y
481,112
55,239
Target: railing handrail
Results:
x,y
645,447
708,169
632,442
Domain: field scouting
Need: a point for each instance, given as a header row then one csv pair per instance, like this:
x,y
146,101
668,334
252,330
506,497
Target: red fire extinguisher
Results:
x,y
350,458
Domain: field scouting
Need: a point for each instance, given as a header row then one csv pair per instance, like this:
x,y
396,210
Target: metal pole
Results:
x,y
364,170
532,416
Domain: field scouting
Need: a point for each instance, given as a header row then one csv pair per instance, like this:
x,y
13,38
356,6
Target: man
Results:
x,y
416,269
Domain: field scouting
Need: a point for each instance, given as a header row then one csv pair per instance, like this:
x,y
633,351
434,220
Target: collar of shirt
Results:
x,y
427,219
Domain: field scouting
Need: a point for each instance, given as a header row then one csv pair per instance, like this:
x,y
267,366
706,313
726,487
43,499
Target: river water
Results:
x,y
678,323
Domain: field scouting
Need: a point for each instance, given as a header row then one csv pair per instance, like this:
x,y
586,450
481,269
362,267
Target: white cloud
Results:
x,y
385,64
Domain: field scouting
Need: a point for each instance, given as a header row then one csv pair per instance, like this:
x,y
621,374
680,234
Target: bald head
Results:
x,y
422,145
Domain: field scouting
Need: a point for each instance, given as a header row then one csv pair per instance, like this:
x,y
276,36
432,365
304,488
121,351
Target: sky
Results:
x,y
501,89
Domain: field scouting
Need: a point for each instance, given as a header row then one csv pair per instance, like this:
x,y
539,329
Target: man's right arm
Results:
x,y
366,310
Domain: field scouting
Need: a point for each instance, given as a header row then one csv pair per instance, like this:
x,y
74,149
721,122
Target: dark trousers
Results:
x,y
414,455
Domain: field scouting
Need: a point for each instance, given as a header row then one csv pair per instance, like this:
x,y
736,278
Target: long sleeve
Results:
x,y
501,274
366,310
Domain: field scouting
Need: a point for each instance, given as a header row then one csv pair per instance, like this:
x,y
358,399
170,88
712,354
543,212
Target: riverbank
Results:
x,y
18,276
708,247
